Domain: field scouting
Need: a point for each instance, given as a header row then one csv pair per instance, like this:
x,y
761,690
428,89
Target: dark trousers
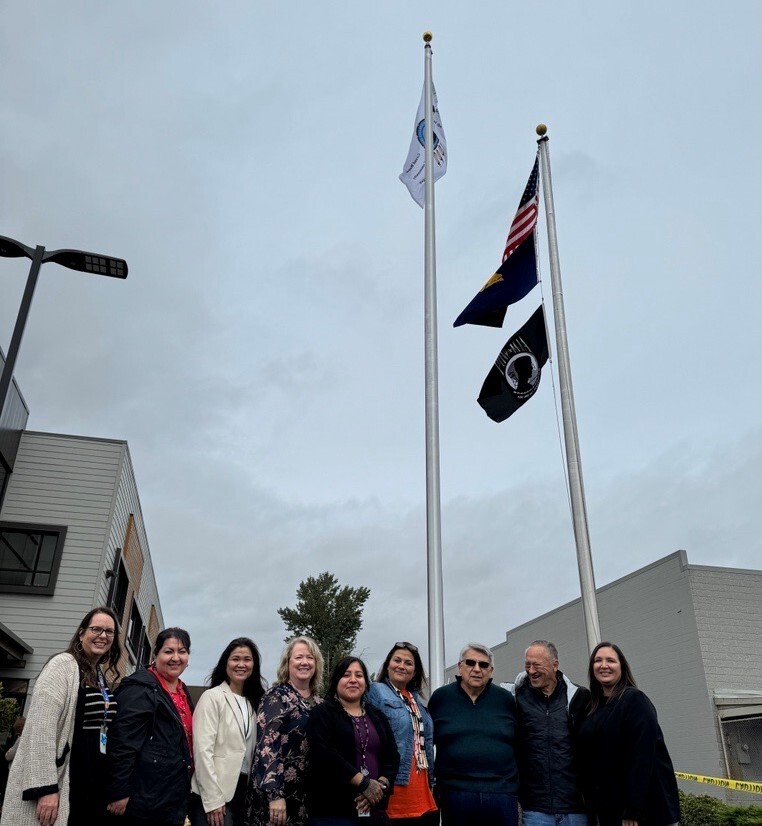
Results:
x,y
429,819
234,809
461,808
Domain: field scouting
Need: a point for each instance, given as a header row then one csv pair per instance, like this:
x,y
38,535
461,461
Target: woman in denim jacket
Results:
x,y
397,693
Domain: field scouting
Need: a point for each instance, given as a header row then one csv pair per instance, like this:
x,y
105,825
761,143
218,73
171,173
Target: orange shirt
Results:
x,y
416,798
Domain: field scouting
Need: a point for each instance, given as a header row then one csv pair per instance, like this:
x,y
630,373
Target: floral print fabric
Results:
x,y
281,756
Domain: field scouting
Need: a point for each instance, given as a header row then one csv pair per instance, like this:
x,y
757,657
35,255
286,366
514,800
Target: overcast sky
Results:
x,y
264,359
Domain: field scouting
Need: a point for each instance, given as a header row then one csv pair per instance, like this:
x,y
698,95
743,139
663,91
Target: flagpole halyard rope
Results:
x,y
561,450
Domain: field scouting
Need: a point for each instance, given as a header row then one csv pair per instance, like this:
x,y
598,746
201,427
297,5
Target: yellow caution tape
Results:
x,y
738,785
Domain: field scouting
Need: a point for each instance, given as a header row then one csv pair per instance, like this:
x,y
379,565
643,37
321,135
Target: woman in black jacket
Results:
x,y
626,772
151,743
353,755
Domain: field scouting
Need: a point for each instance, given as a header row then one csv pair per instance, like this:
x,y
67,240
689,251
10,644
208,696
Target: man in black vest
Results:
x,y
550,709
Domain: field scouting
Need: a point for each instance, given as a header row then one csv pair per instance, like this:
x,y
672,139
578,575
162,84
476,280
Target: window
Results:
x,y
15,689
135,633
3,480
120,583
30,556
145,651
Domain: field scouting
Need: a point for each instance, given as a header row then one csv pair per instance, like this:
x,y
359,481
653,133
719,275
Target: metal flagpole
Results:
x,y
573,464
433,515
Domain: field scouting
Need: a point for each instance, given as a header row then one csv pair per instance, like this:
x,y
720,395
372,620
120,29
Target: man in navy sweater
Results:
x,y
474,729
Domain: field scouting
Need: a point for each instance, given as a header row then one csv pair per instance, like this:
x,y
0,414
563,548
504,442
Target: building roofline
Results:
x,y
75,436
755,571
14,638
681,556
14,382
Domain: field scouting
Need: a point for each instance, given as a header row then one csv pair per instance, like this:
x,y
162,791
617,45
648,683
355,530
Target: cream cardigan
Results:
x,y
42,759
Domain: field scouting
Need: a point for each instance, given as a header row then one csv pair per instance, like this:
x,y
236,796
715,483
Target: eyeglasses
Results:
x,y
473,663
408,645
96,631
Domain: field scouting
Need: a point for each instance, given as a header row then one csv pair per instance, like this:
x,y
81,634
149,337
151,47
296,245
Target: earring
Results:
x,y
78,646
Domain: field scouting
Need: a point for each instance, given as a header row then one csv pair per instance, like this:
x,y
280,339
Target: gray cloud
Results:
x,y
264,358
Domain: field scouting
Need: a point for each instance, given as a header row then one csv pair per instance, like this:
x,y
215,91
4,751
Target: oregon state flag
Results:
x,y
518,273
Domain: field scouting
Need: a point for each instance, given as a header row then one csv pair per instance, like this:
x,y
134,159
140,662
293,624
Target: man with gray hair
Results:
x,y
474,725
550,709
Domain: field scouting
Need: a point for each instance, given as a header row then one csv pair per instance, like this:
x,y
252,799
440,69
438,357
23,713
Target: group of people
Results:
x,y
99,750
570,756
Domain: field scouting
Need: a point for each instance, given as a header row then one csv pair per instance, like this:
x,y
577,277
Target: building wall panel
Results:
x,y
60,480
650,615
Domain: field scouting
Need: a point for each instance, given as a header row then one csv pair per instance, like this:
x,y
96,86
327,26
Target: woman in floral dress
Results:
x,y
277,792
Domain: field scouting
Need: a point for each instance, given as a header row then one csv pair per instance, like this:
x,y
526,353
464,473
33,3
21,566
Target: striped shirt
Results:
x,y
94,709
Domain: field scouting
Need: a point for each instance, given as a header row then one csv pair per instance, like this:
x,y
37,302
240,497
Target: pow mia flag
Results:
x,y
515,376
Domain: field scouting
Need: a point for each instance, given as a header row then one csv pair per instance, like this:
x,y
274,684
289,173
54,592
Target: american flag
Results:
x,y
525,219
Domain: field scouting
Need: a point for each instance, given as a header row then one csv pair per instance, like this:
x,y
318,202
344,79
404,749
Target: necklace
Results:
x,y
362,738
244,712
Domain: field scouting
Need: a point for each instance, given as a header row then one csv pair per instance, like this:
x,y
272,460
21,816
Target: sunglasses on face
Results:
x,y
473,663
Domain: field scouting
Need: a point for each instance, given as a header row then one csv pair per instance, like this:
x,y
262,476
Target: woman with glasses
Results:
x,y
397,693
224,735
151,746
354,758
59,774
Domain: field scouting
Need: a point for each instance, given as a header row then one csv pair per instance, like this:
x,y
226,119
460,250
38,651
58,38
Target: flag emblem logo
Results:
x,y
515,376
523,374
420,132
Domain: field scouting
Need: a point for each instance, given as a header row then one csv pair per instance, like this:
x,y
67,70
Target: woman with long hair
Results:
x,y
59,774
224,735
354,757
277,791
626,773
151,748
398,693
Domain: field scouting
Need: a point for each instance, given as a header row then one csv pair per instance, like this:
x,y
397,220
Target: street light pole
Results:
x,y
72,259
18,330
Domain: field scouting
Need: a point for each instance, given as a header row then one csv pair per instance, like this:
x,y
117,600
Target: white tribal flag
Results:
x,y
414,173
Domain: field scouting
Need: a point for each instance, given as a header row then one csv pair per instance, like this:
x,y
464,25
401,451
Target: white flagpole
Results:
x,y
573,464
433,514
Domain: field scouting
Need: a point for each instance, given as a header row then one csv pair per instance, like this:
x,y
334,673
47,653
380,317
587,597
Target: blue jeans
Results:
x,y
543,819
460,808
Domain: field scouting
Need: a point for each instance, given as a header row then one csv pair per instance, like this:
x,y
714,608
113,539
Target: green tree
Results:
x,y
9,711
329,613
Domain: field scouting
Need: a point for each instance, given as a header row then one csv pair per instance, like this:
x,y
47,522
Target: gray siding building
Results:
x,y
72,537
693,636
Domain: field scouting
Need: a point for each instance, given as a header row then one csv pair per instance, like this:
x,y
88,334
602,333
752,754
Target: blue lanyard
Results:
x,y
106,698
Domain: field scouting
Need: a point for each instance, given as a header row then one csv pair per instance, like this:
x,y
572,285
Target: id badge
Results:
x,y
102,739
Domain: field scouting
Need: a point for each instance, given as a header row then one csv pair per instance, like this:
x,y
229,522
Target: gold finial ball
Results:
x,y
541,129
427,37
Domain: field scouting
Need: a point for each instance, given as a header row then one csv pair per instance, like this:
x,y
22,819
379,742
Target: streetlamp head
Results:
x,y
89,262
14,249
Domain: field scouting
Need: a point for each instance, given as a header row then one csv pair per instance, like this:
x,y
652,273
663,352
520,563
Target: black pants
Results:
x,y
234,808
429,819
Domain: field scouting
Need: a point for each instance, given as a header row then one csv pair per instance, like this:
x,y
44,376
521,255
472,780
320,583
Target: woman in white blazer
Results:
x,y
224,736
